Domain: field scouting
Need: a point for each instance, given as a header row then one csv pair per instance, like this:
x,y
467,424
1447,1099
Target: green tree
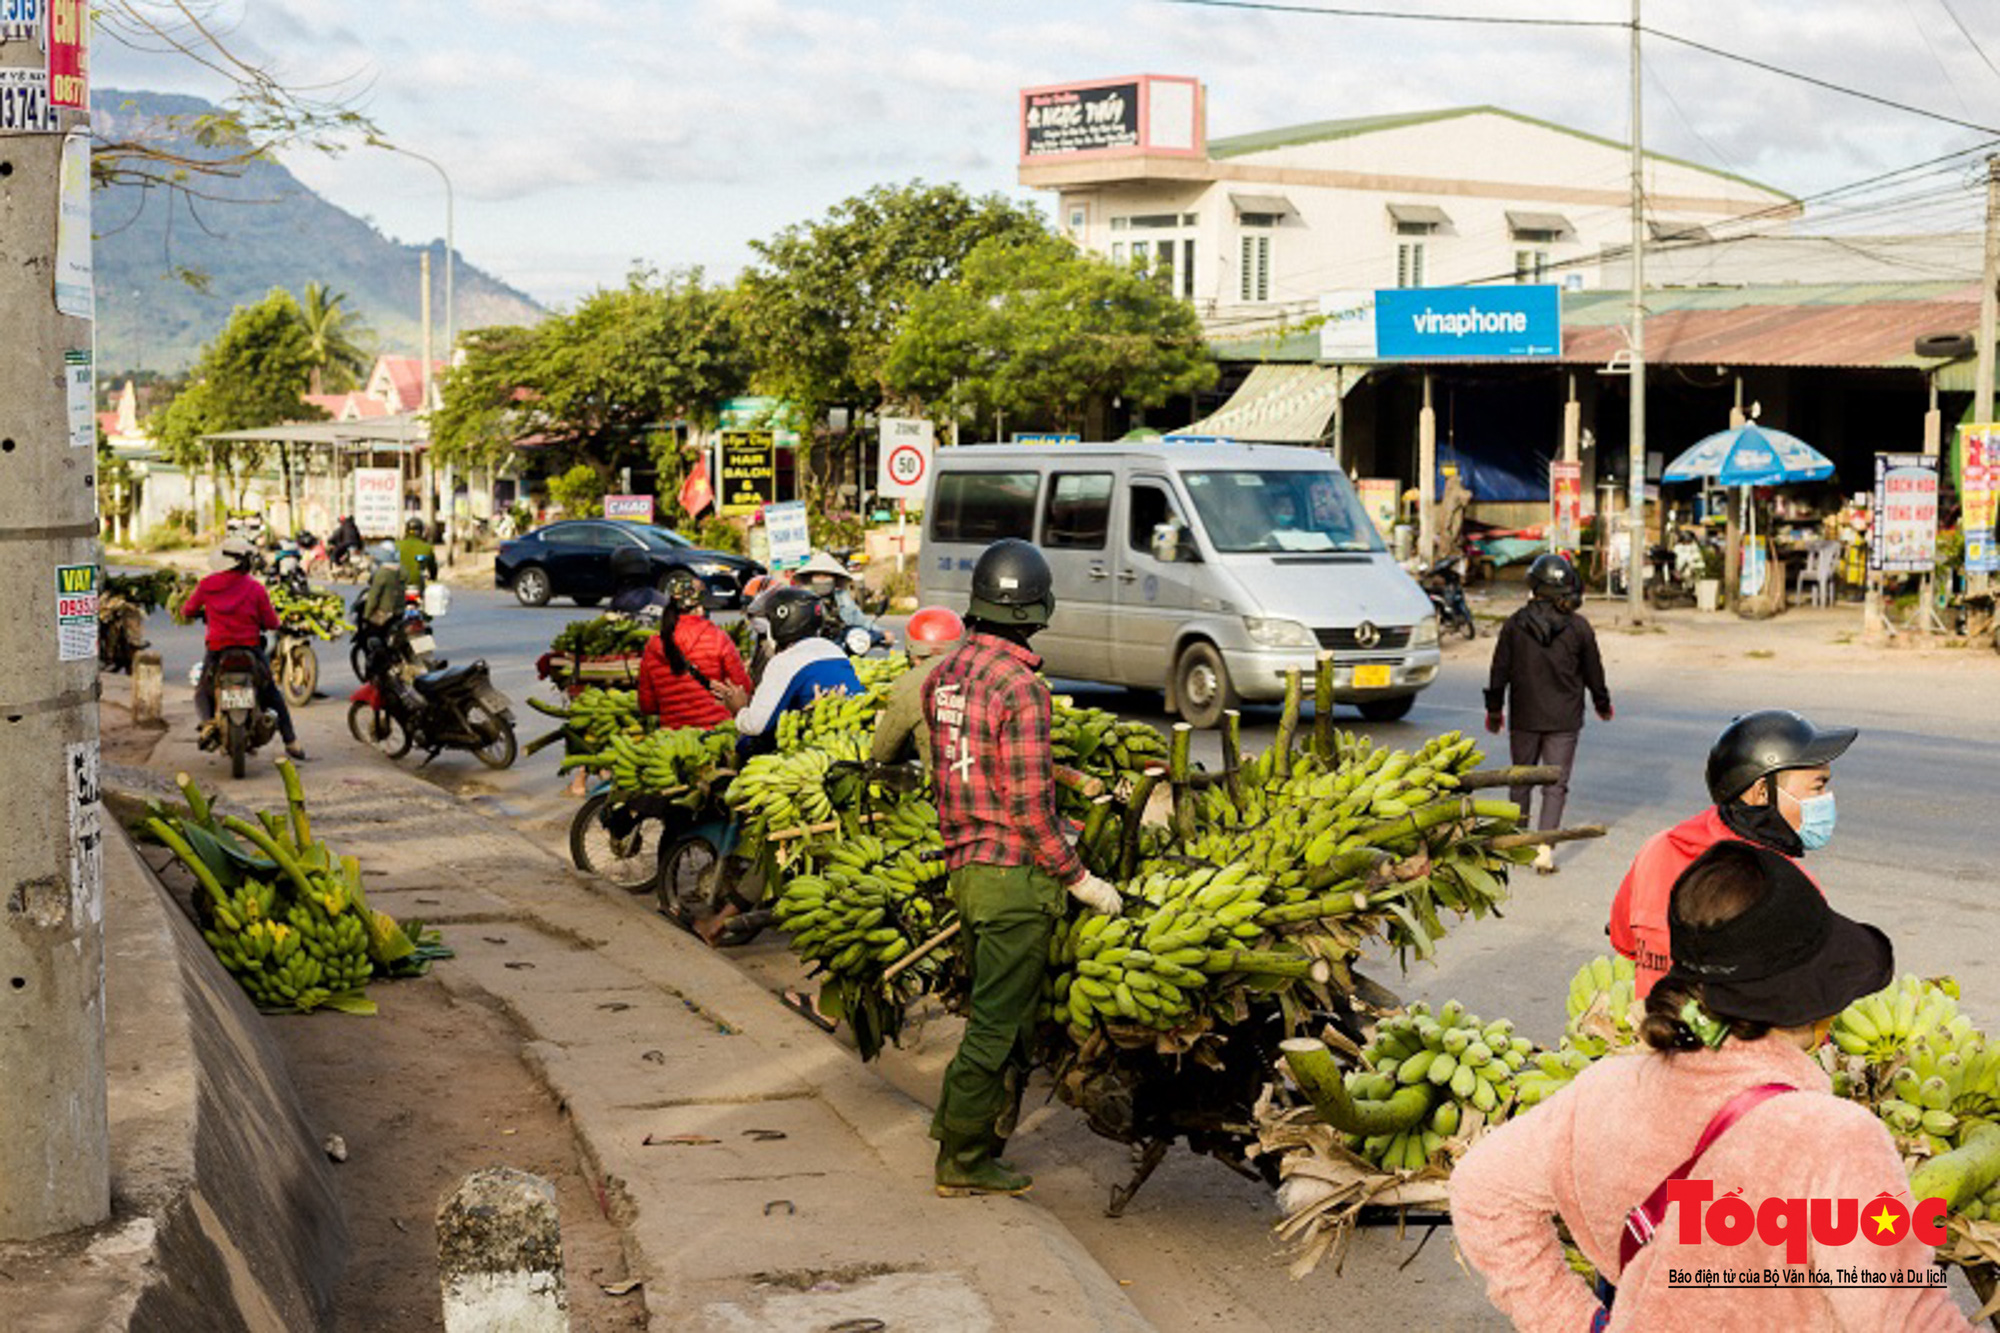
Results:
x,y
338,361
1032,325
593,386
827,298
579,491
253,374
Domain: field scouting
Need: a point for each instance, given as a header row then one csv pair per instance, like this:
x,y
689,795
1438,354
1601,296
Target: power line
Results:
x,y
1515,20
1329,11
1972,41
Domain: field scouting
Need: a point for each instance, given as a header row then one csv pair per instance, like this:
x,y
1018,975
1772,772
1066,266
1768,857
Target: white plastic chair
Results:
x,y
1819,571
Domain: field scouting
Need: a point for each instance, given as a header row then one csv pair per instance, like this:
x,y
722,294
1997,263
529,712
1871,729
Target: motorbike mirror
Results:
x,y
857,641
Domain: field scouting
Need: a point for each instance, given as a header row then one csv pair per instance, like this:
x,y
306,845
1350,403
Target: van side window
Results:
x,y
1079,514
984,506
1151,506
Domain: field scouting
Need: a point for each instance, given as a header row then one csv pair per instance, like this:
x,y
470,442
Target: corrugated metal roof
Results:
x,y
1864,334
1276,405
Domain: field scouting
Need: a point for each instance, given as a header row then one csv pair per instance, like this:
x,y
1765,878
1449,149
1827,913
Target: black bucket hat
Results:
x,y
1790,960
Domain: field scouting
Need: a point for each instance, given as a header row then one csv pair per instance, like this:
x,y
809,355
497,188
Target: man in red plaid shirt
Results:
x,y
1010,857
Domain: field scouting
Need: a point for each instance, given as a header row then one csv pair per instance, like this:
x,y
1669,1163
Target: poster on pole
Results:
x,y
378,501
749,471
76,613
75,287
21,21
1565,505
69,53
1978,492
903,465
82,392
86,832
789,531
1903,538
1378,497
638,508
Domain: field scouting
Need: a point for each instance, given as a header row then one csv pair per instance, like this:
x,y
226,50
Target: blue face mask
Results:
x,y
1816,820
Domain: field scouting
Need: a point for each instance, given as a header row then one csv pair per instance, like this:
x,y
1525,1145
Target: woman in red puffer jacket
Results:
x,y
683,659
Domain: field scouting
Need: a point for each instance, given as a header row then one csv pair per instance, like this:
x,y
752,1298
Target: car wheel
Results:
x,y
1388,710
531,587
1202,686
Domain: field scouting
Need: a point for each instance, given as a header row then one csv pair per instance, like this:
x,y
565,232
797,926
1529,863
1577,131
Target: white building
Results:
x,y
1257,227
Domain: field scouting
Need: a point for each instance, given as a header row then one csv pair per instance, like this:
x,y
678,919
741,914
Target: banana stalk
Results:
x,y
1232,755
295,804
175,843
1323,708
197,803
1185,813
1312,1067
1135,813
272,848
1964,1173
1288,725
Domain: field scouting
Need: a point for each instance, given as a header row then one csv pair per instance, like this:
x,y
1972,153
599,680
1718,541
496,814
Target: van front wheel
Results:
x,y
1202,686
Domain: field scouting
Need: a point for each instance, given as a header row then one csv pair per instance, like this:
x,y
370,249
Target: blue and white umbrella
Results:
x,y
1751,456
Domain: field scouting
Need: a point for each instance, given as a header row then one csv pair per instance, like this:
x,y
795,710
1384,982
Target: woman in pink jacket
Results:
x,y
1730,1091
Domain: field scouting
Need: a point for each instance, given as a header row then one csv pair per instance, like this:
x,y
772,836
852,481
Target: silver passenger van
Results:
x,y
1205,570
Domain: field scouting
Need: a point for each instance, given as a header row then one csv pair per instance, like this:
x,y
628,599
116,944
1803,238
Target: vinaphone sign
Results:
x,y
1442,323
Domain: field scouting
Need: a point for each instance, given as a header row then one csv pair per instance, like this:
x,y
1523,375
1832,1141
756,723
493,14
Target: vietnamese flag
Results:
x,y
696,494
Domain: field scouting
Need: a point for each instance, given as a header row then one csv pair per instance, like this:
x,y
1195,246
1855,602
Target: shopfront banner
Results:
x,y
1565,505
1903,538
749,471
1979,495
1378,497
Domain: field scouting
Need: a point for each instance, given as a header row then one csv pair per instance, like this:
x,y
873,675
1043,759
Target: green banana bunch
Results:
x,y
321,615
594,716
1879,1026
661,761
1547,1073
832,719
1468,1066
603,636
1603,1011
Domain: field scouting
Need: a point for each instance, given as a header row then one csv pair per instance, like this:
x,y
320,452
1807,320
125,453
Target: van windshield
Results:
x,y
1246,510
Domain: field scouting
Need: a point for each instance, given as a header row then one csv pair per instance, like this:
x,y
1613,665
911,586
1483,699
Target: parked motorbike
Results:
x,y
451,708
242,723
1672,572
1444,583
408,640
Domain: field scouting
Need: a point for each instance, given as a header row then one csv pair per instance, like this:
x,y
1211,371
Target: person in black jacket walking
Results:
x,y
1546,658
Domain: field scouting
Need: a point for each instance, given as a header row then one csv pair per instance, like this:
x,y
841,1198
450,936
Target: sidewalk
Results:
x,y
767,1179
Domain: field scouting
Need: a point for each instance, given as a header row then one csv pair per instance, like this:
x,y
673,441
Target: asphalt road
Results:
x,y
1912,854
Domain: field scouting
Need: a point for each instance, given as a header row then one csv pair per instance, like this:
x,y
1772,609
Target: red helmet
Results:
x,y
935,629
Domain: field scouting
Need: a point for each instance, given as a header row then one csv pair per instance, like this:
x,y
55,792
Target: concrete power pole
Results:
x,y
1989,312
1635,595
424,474
55,1172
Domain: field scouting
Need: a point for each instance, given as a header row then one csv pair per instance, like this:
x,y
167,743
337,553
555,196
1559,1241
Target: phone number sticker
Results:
x,y
76,612
24,102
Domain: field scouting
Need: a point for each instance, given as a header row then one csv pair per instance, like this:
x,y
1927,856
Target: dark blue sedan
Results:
x,y
572,558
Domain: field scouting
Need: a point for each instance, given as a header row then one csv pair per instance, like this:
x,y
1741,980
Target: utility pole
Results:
x,y
424,411
55,1171
1635,599
1989,307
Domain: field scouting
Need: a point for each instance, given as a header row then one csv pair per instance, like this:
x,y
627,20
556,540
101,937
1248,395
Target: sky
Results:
x,y
584,136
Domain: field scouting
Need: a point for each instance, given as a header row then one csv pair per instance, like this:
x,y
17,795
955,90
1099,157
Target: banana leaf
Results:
x,y
226,858
351,1002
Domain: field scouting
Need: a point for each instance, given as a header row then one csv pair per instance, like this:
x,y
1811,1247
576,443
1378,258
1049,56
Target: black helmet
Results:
x,y
629,564
1554,579
1011,585
413,528
683,588
1757,745
795,614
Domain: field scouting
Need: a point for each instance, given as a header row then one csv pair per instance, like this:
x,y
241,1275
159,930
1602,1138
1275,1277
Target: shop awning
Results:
x,y
384,433
1287,404
1261,203
1553,224
1421,215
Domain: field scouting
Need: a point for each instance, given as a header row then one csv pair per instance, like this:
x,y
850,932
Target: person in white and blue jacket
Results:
x,y
806,665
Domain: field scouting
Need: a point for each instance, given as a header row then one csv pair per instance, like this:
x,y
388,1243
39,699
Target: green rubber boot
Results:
x,y
966,1165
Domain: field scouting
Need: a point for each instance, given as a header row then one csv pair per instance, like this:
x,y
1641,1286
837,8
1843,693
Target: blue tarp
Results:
x,y
1509,480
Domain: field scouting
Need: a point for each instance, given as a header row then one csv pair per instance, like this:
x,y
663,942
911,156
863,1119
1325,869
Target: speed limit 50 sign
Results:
x,y
903,471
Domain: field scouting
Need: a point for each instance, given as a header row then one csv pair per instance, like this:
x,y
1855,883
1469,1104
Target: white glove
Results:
x,y
1098,896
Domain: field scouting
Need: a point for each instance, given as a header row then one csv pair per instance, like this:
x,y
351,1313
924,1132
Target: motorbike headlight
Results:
x,y
1269,632
1426,633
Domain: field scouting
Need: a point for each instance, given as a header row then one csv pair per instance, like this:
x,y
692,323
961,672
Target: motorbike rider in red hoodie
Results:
x,y
1770,775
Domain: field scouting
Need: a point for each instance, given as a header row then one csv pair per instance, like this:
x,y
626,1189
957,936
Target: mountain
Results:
x,y
261,230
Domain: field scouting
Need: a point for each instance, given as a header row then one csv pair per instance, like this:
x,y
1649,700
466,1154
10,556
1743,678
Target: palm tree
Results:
x,y
337,359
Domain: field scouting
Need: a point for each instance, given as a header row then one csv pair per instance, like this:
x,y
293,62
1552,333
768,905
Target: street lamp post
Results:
x,y
450,243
